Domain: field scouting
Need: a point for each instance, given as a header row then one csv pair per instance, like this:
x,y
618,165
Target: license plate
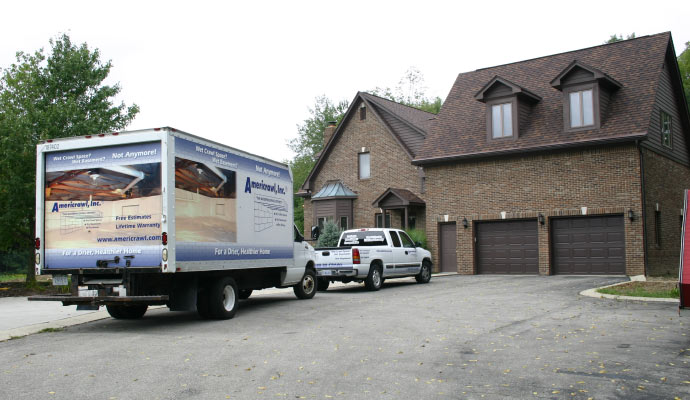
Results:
x,y
60,280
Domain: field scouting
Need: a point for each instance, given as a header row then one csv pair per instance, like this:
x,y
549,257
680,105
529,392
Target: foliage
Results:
x,y
615,38
43,97
8,277
418,235
684,66
309,143
411,91
330,235
668,289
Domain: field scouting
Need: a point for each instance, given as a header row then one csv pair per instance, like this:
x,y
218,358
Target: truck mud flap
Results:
x,y
69,300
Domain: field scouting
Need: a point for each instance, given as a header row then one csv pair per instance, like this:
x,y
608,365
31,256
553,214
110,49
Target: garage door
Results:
x,y
507,247
588,245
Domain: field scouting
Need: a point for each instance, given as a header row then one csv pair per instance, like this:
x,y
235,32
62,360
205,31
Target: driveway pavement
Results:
x,y
457,337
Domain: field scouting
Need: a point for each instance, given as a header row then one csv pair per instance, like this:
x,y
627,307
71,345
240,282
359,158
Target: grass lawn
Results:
x,y
6,277
662,289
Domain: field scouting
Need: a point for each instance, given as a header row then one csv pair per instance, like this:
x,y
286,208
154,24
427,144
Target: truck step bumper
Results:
x,y
68,300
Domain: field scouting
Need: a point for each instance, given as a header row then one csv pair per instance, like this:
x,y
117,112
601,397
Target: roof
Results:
x,y
334,189
636,64
406,197
407,125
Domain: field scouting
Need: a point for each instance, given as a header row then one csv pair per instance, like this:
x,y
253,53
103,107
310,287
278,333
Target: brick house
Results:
x,y
364,175
573,163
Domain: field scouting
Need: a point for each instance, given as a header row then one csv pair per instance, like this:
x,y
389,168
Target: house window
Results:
x,y
581,108
501,120
380,221
666,129
364,165
343,223
363,112
321,222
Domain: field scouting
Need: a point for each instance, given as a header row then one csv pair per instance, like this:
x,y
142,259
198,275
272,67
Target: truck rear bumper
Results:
x,y
69,300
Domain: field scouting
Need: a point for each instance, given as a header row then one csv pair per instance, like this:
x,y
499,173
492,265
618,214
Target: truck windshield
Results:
x,y
363,238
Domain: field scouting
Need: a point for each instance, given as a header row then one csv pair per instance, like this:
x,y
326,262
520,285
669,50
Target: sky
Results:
x,y
246,73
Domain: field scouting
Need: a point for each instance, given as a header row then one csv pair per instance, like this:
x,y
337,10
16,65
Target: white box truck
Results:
x,y
162,217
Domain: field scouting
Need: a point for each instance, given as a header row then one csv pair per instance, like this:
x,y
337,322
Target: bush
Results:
x,y
418,235
330,235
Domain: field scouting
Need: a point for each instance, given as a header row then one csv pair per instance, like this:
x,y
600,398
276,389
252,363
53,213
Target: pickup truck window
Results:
x,y
364,238
407,242
395,239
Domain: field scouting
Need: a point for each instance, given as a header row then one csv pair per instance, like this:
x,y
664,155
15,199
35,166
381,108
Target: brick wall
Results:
x,y
605,180
390,167
664,180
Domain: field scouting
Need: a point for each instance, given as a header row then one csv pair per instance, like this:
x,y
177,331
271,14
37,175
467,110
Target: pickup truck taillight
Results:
x,y
355,256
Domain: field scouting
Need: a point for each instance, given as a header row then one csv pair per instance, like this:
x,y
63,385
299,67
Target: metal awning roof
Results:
x,y
332,190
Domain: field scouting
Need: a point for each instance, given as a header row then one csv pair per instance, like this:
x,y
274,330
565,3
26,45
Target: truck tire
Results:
x,y
245,293
306,288
322,284
221,297
374,280
127,312
424,275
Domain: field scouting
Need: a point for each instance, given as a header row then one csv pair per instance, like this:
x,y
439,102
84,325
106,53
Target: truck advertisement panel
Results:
x,y
103,207
230,207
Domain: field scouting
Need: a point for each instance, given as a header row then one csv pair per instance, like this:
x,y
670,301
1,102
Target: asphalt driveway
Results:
x,y
457,337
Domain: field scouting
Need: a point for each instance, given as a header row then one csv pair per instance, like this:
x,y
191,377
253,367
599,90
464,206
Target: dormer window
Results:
x,y
586,95
501,120
507,107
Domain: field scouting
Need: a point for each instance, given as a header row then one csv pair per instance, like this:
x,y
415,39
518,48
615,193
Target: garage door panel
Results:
x,y
588,245
507,247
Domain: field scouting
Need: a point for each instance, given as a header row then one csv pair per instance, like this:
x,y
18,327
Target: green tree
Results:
x,y
308,144
411,91
330,235
43,97
684,66
615,38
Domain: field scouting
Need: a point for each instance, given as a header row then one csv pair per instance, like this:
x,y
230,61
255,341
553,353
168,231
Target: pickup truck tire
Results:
x,y
127,312
221,297
424,275
245,293
374,280
322,284
306,288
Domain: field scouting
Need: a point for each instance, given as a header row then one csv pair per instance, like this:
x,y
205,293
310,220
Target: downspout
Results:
x,y
644,207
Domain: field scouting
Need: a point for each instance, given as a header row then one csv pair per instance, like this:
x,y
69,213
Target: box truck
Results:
x,y
162,217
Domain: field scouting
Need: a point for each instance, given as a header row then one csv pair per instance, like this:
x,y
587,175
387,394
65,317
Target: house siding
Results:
x,y
664,184
390,167
606,180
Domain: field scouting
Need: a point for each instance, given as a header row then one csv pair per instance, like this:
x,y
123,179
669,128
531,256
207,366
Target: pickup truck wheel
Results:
x,y
424,275
322,284
127,312
245,293
306,288
222,298
374,280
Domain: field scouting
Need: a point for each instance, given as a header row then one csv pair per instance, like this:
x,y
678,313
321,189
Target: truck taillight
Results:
x,y
37,243
355,256
164,238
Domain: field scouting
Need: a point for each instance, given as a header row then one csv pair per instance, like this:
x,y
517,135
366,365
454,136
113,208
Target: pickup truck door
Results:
x,y
410,263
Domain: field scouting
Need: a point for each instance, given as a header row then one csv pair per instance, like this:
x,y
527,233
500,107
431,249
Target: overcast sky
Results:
x,y
246,73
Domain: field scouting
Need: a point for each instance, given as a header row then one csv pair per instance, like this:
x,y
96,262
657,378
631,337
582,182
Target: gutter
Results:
x,y
555,146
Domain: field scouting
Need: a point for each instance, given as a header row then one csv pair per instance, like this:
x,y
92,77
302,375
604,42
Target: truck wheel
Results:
x,y
424,275
245,293
127,312
322,284
374,280
306,289
222,298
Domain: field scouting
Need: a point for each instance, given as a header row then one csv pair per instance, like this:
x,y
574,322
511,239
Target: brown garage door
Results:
x,y
507,247
588,245
448,240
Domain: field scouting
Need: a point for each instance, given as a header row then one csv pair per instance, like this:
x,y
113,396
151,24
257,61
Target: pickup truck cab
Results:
x,y
371,255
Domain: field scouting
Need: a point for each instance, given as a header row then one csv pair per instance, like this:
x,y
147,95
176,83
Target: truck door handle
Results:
x,y
405,252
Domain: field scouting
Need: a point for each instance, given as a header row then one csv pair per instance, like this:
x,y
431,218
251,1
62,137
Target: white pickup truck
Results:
x,y
371,255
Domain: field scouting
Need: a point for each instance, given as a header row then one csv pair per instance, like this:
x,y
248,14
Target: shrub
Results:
x,y
418,235
330,235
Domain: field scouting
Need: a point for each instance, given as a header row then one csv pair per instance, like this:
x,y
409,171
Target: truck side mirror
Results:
x,y
315,232
418,244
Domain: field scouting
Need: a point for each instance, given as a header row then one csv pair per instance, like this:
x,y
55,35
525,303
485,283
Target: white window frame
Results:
x,y
666,126
501,108
361,171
